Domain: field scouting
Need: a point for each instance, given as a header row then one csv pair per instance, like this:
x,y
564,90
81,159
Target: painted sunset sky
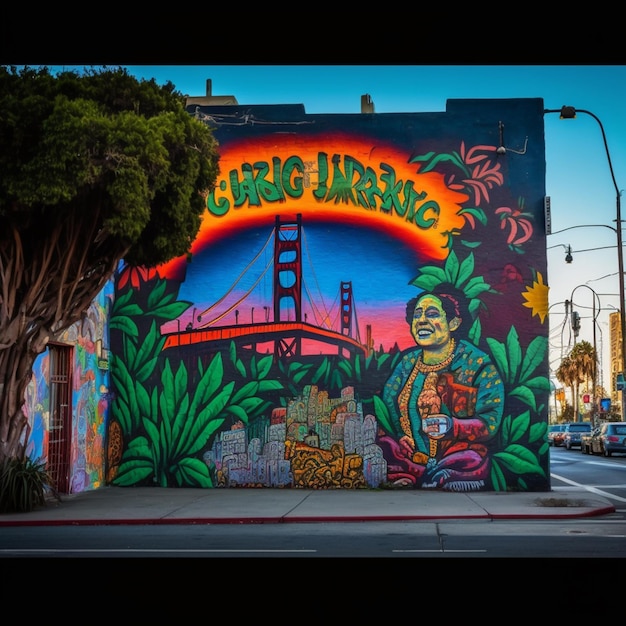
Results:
x,y
344,239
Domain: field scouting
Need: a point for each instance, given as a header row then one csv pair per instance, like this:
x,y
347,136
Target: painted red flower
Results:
x,y
136,276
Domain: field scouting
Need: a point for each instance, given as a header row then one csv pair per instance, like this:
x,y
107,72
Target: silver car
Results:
x,y
606,439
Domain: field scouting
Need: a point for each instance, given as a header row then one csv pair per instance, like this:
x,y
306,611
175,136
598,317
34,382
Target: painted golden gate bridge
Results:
x,y
285,335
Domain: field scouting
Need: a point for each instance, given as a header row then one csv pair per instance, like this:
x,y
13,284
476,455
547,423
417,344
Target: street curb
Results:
x,y
305,519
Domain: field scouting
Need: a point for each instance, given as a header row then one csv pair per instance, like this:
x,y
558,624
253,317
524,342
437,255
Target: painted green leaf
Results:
x,y
358,367
425,282
382,360
433,270
514,353
465,269
269,385
132,472
321,372
121,412
169,311
146,348
497,477
525,394
155,418
193,427
436,160
165,425
336,381
156,294
143,404
138,447
210,382
294,367
165,449
251,388
146,370
345,367
264,366
125,310
535,354
476,212
174,392
204,434
250,405
519,460
475,332
382,414
520,425
129,351
537,431
452,268
300,375
241,368
475,286
121,300
498,354
539,383
237,411
153,435
193,473
505,428
124,325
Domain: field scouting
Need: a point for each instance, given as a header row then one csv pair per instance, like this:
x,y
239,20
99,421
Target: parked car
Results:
x,y
585,440
607,438
572,433
555,434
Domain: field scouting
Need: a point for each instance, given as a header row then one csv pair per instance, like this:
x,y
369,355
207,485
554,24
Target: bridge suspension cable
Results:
x,y
238,302
325,317
232,287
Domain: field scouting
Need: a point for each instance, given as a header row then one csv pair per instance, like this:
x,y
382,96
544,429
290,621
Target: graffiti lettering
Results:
x,y
340,179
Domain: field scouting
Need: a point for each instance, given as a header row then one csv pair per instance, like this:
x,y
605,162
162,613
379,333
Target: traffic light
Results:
x,y
586,398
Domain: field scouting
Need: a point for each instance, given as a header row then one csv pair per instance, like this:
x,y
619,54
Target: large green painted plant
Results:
x,y
167,417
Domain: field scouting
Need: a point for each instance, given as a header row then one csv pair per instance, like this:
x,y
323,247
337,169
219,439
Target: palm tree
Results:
x,y
577,367
566,375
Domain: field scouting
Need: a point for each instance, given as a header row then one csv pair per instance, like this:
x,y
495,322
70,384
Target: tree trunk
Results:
x,y
46,285
16,366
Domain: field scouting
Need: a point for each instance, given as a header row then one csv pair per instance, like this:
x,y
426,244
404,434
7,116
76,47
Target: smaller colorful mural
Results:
x,y
89,399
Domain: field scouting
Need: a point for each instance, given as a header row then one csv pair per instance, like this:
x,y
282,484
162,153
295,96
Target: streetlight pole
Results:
x,y
568,113
594,371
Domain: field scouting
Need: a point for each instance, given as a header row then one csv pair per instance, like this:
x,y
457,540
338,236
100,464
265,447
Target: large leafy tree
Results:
x,y
96,166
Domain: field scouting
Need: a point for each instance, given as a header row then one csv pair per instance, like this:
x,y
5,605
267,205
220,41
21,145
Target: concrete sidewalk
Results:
x,y
154,505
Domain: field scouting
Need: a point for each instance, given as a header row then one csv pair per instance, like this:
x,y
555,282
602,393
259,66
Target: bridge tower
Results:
x,y
288,279
346,310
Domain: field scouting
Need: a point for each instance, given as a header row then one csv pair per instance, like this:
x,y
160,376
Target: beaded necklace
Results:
x,y
422,367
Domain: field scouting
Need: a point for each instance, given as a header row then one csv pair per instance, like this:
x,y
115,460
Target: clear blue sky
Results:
x,y
578,178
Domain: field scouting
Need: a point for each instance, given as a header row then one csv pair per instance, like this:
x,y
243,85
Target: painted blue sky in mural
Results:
x,y
578,178
382,286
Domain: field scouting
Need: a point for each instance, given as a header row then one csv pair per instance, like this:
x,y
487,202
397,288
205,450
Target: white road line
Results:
x,y
440,551
140,551
598,492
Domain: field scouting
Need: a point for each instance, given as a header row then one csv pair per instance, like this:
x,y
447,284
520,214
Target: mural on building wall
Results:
x,y
89,397
364,306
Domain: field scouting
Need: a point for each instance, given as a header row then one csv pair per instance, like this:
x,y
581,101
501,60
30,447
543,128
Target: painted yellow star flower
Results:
x,y
536,297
